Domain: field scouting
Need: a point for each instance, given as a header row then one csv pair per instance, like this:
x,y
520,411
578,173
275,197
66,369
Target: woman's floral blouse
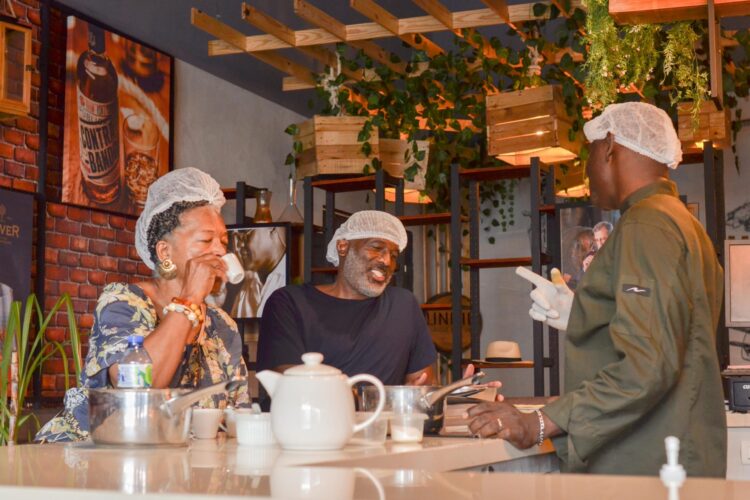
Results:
x,y
124,310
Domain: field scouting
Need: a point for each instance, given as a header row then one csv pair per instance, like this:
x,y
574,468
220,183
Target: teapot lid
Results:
x,y
313,366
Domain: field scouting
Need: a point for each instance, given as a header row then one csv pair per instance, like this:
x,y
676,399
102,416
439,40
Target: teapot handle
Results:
x,y
381,400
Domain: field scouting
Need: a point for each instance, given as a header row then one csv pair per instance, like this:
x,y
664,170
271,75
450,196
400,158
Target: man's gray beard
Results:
x,y
355,273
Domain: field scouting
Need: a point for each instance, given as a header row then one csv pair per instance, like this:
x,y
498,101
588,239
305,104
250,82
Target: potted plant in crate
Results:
x,y
332,142
25,349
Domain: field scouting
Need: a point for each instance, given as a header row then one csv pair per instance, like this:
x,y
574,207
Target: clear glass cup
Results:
x,y
373,434
141,146
407,427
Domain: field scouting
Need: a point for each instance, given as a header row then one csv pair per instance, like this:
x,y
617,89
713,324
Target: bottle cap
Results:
x,y
135,339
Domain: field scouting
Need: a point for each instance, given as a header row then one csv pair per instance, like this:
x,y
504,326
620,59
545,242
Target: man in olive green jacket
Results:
x,y
641,362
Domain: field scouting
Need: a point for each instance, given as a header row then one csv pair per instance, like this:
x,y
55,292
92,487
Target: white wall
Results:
x,y
235,135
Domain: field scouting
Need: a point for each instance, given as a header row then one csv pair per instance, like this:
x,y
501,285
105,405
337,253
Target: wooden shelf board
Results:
x,y
506,262
490,263
325,270
418,220
349,183
485,364
440,307
547,209
496,173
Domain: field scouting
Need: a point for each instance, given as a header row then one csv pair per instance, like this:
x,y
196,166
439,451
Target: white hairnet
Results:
x,y
639,126
184,184
367,224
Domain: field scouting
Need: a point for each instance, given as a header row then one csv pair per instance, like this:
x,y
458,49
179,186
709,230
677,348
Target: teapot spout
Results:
x,y
269,379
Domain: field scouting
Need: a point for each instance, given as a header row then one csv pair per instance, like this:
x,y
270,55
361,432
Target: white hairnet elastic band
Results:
x,y
184,184
368,224
640,127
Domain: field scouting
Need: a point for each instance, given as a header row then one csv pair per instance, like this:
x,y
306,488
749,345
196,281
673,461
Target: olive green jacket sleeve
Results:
x,y
647,332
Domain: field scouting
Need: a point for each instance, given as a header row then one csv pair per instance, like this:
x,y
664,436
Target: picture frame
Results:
x,y
694,209
117,128
737,283
264,250
582,232
16,235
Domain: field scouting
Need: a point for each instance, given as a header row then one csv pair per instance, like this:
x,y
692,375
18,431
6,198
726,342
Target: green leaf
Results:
x,y
292,129
491,240
289,159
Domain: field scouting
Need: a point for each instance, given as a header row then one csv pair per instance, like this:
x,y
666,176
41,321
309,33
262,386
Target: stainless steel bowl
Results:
x,y
136,417
426,399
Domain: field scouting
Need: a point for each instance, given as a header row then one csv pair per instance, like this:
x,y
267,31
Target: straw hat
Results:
x,y
502,351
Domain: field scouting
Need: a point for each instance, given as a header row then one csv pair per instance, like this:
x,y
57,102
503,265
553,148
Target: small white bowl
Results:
x,y
230,419
254,429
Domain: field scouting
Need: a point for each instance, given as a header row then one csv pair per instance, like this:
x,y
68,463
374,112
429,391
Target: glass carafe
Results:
x,y
291,212
262,206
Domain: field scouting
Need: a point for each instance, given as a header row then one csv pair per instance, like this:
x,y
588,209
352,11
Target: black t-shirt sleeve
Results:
x,y
423,352
280,339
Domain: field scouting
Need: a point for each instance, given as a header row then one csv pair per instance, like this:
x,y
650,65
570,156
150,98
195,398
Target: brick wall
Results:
x,y
84,248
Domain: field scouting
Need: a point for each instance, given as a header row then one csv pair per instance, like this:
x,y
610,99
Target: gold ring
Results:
x,y
499,424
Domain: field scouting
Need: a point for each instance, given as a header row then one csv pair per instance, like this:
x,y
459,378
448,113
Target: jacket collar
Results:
x,y
661,186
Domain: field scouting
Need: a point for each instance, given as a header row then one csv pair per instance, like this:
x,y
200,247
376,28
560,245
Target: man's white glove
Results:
x,y
552,300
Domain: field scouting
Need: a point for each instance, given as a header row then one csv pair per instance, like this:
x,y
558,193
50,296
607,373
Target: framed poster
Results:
x,y
116,138
583,230
264,252
16,233
737,283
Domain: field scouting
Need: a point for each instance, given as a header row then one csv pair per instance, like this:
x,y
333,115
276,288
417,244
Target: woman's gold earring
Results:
x,y
167,269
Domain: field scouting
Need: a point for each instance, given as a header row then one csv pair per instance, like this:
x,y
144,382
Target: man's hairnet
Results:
x,y
184,184
367,224
641,127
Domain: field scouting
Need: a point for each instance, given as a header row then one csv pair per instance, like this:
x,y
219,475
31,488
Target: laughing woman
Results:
x,y
181,236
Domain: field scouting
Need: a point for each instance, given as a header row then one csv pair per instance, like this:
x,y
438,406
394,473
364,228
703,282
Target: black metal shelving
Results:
x,y
542,205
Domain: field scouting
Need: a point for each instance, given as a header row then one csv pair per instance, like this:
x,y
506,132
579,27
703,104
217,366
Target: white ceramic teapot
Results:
x,y
312,406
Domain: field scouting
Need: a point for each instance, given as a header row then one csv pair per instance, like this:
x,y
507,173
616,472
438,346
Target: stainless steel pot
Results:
x,y
131,417
419,399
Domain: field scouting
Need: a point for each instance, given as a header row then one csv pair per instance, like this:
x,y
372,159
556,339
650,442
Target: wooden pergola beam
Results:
x,y
268,24
370,9
370,31
235,38
319,18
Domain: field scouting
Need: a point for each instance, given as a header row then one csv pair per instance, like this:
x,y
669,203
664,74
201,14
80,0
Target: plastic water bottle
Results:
x,y
135,367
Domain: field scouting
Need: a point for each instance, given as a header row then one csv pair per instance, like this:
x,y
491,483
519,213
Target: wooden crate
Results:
x,y
668,11
392,158
531,122
330,146
713,125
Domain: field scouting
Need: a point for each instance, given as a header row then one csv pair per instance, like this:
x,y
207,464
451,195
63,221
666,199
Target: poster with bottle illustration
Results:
x,y
16,233
116,138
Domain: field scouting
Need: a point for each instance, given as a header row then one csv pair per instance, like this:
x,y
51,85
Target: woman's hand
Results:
x,y
201,274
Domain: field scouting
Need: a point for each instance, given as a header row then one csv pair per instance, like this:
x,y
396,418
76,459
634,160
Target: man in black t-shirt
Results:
x,y
359,323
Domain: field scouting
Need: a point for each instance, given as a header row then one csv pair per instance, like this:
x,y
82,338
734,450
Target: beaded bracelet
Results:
x,y
180,305
540,437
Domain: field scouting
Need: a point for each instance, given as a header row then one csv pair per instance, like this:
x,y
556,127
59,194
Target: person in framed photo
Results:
x,y
262,252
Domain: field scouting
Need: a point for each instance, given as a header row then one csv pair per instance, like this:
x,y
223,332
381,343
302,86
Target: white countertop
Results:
x,y
221,468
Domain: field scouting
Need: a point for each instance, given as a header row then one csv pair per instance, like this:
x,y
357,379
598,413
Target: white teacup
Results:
x,y
235,271
206,422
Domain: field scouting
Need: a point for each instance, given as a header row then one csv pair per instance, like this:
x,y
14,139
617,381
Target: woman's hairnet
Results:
x,y
641,127
367,224
184,184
